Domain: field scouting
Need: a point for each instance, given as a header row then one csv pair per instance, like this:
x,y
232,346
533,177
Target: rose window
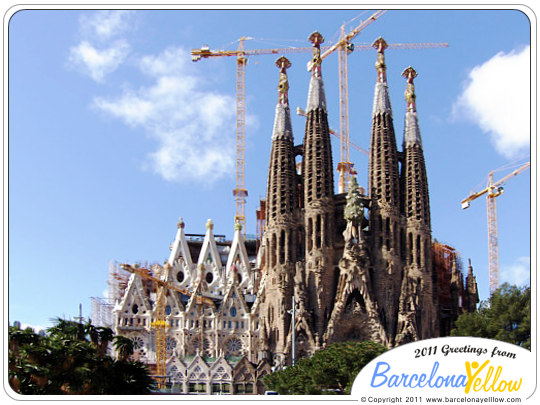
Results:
x,y
137,343
234,346
170,345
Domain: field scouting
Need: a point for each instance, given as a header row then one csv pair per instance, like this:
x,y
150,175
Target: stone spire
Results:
x,y
412,131
415,207
318,197
282,193
385,222
383,160
414,179
381,101
316,96
471,295
281,225
317,162
282,120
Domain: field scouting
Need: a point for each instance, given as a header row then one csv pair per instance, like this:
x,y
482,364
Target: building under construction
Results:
x,y
359,266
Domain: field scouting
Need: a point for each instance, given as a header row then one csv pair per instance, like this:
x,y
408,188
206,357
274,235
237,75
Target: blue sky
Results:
x,y
114,133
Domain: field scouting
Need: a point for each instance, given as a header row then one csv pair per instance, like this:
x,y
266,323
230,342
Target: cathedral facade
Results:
x,y
355,266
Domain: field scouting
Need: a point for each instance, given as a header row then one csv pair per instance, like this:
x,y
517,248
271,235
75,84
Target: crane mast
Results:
x,y
240,193
160,320
492,191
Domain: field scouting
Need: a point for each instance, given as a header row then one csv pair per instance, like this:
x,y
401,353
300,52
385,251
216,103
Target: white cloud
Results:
x,y
194,128
517,273
105,23
98,62
102,26
497,98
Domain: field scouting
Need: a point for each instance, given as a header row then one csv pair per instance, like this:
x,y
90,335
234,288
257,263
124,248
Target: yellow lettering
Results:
x,y
488,376
515,387
471,376
487,384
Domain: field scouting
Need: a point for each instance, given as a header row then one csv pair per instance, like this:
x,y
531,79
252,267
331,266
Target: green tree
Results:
x,y
124,347
506,316
328,371
71,359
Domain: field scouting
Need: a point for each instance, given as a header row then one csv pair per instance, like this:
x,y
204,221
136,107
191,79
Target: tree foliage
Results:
x,y
72,359
354,209
328,371
506,316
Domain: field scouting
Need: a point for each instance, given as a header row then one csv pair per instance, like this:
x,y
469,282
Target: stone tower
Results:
x,y
418,275
318,198
281,225
385,219
471,296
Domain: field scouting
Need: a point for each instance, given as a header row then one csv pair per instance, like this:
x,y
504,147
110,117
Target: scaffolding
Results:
x,y
102,312
102,307
444,258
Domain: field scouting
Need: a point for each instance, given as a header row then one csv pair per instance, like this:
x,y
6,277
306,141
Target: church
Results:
x,y
356,266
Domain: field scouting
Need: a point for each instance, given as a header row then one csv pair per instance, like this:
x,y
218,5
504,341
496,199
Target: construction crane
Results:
x,y
493,190
240,192
160,322
345,47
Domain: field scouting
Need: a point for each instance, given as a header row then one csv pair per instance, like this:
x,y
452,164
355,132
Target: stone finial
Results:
x,y
410,95
283,87
181,223
380,45
209,224
316,39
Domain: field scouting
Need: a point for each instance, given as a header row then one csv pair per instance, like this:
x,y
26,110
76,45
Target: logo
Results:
x,y
462,366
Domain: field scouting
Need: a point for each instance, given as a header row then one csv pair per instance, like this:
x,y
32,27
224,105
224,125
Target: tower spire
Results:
x,y
281,225
384,191
415,208
381,101
282,120
316,96
380,44
318,197
412,130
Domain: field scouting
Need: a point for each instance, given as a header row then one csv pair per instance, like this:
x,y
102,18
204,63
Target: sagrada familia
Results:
x,y
356,266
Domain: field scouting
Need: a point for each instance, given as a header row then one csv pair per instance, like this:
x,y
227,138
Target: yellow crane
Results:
x,y
240,192
493,190
160,320
344,47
